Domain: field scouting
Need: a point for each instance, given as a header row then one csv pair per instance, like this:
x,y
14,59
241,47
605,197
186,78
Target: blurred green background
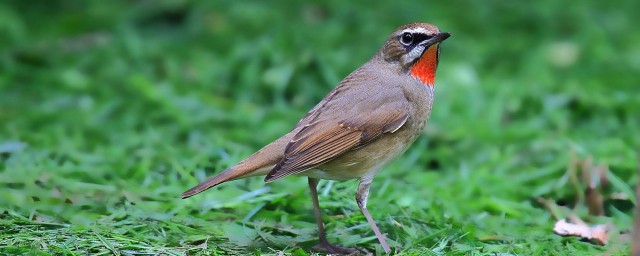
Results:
x,y
110,109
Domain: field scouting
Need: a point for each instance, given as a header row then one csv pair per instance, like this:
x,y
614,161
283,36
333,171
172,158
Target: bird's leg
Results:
x,y
324,243
361,198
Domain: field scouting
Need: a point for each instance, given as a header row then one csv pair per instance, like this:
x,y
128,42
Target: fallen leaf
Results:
x,y
598,233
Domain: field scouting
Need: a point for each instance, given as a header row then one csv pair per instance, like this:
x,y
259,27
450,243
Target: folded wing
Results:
x,y
339,125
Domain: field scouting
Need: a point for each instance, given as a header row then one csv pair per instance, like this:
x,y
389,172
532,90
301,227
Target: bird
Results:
x,y
372,116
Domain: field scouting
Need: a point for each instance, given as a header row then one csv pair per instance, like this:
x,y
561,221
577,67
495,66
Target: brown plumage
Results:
x,y
371,117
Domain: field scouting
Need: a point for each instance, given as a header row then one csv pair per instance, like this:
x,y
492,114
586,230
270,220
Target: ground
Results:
x,y
111,109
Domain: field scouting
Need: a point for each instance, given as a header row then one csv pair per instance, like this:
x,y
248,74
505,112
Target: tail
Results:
x,y
260,163
232,173
222,177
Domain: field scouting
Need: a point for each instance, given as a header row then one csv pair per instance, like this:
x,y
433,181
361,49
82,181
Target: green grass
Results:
x,y
110,109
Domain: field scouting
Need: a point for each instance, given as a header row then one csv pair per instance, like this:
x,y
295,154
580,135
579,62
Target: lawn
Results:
x,y
110,109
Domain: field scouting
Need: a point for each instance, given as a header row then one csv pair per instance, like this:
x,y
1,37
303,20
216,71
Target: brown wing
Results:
x,y
339,125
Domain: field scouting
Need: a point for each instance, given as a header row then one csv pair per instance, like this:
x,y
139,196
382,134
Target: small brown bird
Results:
x,y
370,118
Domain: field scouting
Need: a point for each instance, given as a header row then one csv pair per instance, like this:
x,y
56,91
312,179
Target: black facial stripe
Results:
x,y
416,39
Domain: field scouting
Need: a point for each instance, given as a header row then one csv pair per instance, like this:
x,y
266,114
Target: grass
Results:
x,y
110,110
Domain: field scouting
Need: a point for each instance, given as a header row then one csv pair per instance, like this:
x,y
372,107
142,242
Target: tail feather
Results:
x,y
227,175
233,173
257,164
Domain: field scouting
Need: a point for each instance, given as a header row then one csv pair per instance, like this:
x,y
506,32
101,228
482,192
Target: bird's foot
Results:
x,y
332,249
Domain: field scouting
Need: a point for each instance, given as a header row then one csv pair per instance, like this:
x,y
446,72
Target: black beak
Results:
x,y
436,39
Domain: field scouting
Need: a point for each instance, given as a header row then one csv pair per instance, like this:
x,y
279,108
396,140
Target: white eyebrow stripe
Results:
x,y
416,30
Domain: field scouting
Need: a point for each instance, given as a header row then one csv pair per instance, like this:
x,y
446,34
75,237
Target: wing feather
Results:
x,y
325,137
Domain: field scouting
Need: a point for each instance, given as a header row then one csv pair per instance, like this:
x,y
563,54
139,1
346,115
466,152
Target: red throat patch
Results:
x,y
425,68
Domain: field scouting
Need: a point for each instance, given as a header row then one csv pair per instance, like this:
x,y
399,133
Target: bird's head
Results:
x,y
415,48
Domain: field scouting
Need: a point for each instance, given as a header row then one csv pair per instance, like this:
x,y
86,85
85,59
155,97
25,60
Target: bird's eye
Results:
x,y
407,38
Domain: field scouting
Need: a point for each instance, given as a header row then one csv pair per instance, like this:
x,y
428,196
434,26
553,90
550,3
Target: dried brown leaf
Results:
x,y
598,234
